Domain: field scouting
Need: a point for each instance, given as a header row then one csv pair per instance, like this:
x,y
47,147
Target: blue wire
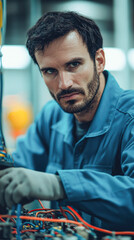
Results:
x,y
18,222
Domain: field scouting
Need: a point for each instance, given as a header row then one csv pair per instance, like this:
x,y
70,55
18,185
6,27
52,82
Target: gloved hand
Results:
x,y
20,185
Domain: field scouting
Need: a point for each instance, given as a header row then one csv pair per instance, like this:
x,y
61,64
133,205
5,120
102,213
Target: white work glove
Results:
x,y
20,185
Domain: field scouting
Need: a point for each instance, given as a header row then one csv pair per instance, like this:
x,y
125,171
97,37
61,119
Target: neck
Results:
x,y
88,115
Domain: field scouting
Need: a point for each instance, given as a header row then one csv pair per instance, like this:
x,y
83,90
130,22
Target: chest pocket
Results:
x,y
96,156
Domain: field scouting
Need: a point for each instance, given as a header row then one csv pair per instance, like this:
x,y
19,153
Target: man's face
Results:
x,y
69,73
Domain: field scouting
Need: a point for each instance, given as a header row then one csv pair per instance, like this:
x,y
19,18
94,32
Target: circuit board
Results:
x,y
52,224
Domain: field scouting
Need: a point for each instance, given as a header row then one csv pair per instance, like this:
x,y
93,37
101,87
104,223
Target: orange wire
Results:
x,y
41,204
57,210
87,224
81,223
48,211
75,219
97,228
44,219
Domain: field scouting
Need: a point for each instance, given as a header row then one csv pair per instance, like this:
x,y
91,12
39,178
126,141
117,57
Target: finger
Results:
x,y
5,171
9,193
22,194
2,200
4,181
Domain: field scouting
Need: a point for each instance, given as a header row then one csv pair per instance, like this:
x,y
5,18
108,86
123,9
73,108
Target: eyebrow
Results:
x,y
66,64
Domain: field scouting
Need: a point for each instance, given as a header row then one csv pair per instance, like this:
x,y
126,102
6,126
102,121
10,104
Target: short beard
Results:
x,y
88,103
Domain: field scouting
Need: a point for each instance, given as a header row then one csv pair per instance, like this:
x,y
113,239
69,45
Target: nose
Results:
x,y
65,81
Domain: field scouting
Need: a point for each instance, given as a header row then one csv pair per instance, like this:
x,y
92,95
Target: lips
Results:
x,y
69,96
69,93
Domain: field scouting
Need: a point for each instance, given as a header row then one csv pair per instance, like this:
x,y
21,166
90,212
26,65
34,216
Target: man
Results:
x,y
82,143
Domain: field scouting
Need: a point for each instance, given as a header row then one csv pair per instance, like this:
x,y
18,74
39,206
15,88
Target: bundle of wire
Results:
x,y
57,224
5,158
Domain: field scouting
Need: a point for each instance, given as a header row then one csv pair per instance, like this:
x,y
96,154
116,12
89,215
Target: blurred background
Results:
x,y
24,90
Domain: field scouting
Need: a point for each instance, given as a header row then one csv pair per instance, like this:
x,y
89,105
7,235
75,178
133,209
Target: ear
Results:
x,y
100,60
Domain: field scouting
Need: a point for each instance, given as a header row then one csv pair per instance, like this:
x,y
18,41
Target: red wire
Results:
x,y
99,229
81,223
57,210
38,209
75,219
26,230
2,219
63,213
31,230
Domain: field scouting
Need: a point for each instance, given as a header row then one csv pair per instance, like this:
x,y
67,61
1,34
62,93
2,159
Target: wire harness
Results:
x,y
55,224
5,158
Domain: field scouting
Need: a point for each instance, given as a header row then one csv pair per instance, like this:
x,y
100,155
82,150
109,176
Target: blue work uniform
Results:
x,y
97,171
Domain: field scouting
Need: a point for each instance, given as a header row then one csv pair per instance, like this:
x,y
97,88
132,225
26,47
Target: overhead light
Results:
x,y
15,57
131,58
115,59
90,9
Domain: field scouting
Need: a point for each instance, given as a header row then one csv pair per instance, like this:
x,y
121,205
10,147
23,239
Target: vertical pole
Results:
x,y
35,13
2,36
122,25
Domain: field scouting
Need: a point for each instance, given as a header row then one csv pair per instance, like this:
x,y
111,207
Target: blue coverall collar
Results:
x,y
103,117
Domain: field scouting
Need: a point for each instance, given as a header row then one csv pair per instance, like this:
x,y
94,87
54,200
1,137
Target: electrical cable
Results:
x,y
100,229
18,222
43,219
63,212
35,224
57,210
41,203
5,158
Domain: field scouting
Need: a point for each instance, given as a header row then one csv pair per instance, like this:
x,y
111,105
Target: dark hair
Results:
x,y
53,25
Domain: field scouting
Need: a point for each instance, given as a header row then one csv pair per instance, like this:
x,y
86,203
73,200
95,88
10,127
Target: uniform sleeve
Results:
x,y
109,198
32,149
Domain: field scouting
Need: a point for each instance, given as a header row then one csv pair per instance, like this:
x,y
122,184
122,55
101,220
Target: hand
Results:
x,y
20,185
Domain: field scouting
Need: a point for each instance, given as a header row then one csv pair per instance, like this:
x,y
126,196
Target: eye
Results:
x,y
74,64
49,71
